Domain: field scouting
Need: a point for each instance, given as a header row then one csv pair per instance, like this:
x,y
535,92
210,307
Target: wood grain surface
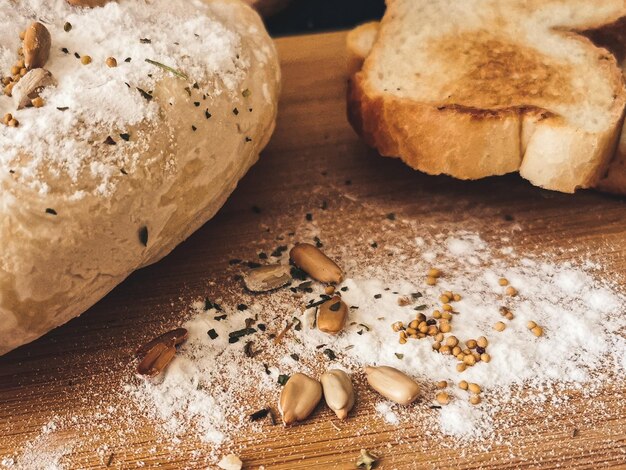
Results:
x,y
76,369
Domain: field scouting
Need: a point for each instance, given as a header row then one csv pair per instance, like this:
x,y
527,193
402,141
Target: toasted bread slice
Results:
x,y
486,87
613,37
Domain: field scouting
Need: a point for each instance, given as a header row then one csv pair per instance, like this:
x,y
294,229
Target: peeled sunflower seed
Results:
x,y
30,85
392,384
179,335
315,263
299,397
36,48
266,278
338,392
331,316
157,359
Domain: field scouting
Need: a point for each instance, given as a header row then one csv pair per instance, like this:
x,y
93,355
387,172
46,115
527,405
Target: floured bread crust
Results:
x,y
69,241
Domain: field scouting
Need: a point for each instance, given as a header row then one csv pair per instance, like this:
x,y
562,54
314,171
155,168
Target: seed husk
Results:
x,y
179,335
338,392
392,384
36,47
157,359
331,316
366,460
299,397
88,3
315,263
230,462
30,85
267,278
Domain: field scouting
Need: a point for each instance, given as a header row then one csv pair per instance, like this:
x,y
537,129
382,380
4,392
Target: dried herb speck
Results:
x,y
144,93
330,354
125,137
67,27
257,415
335,307
143,235
212,333
145,41
109,141
282,379
51,211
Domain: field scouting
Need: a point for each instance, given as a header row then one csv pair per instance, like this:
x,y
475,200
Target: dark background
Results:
x,y
302,16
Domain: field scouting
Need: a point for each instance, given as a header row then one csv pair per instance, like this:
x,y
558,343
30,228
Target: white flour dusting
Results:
x,y
203,386
94,101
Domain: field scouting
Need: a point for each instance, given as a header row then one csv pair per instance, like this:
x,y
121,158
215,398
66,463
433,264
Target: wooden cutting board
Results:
x,y
71,371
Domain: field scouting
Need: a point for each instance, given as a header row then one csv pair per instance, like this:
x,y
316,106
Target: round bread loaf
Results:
x,y
158,109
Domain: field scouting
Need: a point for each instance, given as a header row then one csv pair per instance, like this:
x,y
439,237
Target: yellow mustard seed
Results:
x,y
471,343
111,62
37,102
469,360
482,342
442,384
397,326
439,337
456,297
14,123
445,350
434,272
431,281
7,118
499,326
445,327
446,315
461,366
329,290
474,388
485,357
463,385
15,70
436,345
444,299
85,60
530,325
474,399
442,398
447,307
452,341
503,281
511,291
456,350
537,331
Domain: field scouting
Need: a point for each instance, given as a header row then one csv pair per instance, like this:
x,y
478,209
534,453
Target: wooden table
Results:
x,y
75,370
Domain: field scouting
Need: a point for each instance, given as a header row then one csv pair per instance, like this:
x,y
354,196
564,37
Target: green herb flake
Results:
x,y
366,460
245,93
145,94
399,356
330,354
143,235
295,357
421,307
125,137
336,306
282,379
241,333
178,73
212,333
67,27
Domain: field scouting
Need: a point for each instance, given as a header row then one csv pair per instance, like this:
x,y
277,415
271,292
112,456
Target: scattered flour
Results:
x,y
580,316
